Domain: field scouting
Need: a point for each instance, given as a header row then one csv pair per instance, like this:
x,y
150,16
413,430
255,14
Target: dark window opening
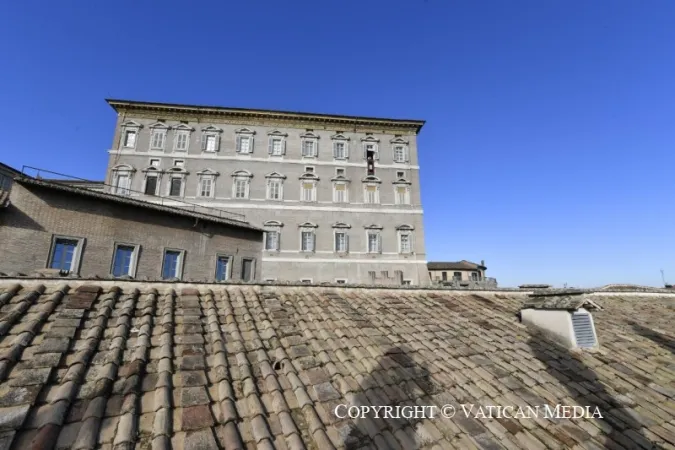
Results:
x,y
174,191
221,268
457,276
151,186
247,269
370,158
445,276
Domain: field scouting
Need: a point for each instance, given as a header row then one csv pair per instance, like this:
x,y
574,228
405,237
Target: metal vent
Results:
x,y
584,332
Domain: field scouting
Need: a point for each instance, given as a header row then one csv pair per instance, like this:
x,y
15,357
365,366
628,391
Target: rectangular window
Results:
x,y
179,163
341,281
457,276
340,193
341,240
182,139
402,197
64,254
309,169
340,150
244,144
151,185
272,240
210,145
372,194
124,262
340,172
154,162
157,140
240,186
444,276
277,147
308,192
222,268
123,184
172,264
206,187
130,138
274,190
307,241
373,242
407,282
474,276
247,269
399,153
406,244
175,187
308,148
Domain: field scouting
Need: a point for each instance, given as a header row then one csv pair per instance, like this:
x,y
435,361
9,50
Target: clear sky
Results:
x,y
548,148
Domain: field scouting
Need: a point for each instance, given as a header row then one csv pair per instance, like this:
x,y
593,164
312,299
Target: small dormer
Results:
x,y
564,314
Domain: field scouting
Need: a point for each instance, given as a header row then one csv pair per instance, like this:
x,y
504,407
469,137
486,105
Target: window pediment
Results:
x,y
339,137
309,176
405,227
401,181
244,131
309,135
159,126
152,169
308,225
341,178
131,124
183,127
277,133
370,139
178,170
212,129
398,140
275,175
341,225
371,179
242,174
273,223
373,227
123,168
208,172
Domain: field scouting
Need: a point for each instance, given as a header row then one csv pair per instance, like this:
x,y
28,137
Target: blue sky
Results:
x,y
548,148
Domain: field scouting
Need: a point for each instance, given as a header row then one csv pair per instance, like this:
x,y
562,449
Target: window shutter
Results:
x,y
204,139
238,144
313,241
346,242
335,149
379,242
270,145
316,148
283,146
376,150
346,149
406,154
365,151
251,144
217,143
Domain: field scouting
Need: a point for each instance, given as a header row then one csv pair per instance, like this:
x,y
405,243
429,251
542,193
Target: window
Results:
x,y
457,276
65,253
276,147
400,153
307,241
151,183
402,195
157,139
172,266
400,175
444,276
474,276
341,281
306,280
407,282
309,169
130,138
179,163
222,268
340,150
370,144
272,241
182,141
210,143
374,242
124,260
176,187
274,190
341,241
122,183
241,188
206,186
244,144
309,148
340,172
154,162
340,193
308,191
405,242
371,194
247,269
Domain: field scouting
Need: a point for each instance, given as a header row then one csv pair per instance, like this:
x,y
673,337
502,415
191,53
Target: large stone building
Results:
x,y
338,196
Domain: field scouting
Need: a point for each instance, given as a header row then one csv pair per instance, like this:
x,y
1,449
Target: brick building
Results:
x,y
338,196
54,227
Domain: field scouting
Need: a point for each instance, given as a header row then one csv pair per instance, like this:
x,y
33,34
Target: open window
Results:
x,y
130,130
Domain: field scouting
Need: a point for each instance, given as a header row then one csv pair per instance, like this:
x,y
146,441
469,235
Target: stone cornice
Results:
x,y
263,117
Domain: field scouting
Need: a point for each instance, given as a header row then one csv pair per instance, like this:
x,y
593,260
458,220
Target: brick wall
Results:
x,y
36,214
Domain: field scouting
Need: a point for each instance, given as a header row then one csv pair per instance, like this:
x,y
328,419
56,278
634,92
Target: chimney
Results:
x,y
482,262
564,314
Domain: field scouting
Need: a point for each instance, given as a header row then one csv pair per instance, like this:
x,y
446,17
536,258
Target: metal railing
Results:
x,y
172,202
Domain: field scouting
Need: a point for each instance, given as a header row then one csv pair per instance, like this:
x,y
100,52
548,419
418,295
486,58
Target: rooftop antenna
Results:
x,y
663,277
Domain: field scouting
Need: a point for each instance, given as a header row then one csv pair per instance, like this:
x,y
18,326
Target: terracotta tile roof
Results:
x,y
454,265
117,364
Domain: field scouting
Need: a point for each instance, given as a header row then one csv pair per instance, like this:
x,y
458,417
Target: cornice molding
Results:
x,y
263,117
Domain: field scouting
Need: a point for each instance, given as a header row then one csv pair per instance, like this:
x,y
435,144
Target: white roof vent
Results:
x,y
563,314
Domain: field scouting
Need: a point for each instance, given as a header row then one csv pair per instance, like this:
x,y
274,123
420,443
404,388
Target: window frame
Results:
x,y
376,185
228,269
133,264
274,177
399,142
208,132
182,130
273,136
313,191
307,227
180,264
345,232
309,137
201,183
239,135
340,280
181,178
406,198
378,233
370,140
245,177
409,231
335,191
77,253
253,269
